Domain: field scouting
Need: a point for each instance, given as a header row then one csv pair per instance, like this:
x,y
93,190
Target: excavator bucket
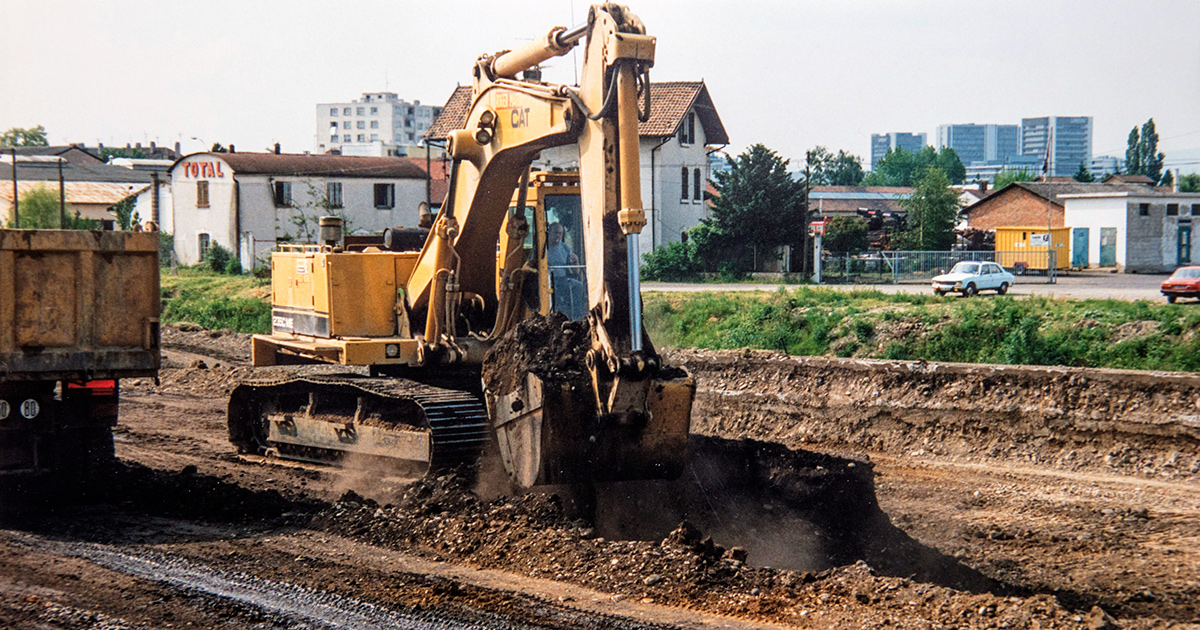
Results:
x,y
547,432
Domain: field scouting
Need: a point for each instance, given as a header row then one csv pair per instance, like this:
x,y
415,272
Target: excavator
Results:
x,y
423,318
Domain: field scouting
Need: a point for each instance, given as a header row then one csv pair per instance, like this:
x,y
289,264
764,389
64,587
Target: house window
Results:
x,y
1172,209
374,110
361,111
346,125
687,129
374,137
385,196
346,138
202,194
696,181
374,124
333,111
362,137
362,124
683,190
203,242
283,194
333,194
1143,209
346,111
333,138
1196,209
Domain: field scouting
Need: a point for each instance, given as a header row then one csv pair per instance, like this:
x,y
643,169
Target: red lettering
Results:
x,y
219,173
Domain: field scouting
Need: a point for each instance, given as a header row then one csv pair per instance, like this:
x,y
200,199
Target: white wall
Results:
x,y
1094,213
667,214
246,204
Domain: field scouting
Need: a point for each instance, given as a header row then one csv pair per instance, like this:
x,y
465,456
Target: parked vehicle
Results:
x,y
969,277
1184,283
79,311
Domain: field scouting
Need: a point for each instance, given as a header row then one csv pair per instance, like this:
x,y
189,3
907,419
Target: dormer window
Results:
x,y
687,129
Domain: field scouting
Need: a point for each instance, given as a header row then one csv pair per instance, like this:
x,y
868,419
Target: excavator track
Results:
x,y
354,420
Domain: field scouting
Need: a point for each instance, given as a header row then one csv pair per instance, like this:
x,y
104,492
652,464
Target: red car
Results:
x,y
1184,283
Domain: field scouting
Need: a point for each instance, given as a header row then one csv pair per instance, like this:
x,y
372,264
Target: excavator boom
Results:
x,y
492,260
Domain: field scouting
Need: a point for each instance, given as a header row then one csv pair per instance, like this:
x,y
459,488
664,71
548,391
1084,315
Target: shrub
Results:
x,y
673,262
217,257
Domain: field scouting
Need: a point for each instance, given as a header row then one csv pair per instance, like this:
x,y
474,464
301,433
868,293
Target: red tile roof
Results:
x,y
316,165
669,102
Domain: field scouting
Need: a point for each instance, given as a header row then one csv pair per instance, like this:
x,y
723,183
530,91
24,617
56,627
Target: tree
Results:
x,y
827,169
757,204
846,234
127,217
948,160
108,153
18,137
1008,176
933,212
1133,153
39,209
1083,174
1189,183
903,168
1142,156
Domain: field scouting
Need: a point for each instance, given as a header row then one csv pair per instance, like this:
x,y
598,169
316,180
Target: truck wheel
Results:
x,y
1003,288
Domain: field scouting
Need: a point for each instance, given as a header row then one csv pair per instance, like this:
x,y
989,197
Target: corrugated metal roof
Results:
x,y
669,102
79,192
300,165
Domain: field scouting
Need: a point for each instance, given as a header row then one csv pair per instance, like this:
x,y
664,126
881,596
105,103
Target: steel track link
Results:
x,y
456,420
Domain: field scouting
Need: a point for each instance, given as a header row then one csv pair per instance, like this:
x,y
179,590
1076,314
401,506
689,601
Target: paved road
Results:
x,y
1084,285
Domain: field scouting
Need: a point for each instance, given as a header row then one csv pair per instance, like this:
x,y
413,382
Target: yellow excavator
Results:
x,y
508,246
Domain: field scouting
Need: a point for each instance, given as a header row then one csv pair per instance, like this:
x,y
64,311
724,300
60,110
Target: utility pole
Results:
x,y
16,207
62,198
804,215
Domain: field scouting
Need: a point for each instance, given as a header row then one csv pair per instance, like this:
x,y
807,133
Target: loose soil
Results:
x,y
913,528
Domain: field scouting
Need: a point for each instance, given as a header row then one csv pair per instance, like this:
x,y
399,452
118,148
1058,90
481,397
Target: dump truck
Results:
x,y
430,322
79,311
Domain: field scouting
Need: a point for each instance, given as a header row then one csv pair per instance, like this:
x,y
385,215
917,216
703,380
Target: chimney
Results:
x,y
99,146
983,185
138,145
154,197
178,148
232,149
276,148
152,147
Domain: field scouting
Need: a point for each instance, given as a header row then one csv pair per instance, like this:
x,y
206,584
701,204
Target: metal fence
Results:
x,y
921,267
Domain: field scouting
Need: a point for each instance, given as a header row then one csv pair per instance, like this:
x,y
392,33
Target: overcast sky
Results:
x,y
790,75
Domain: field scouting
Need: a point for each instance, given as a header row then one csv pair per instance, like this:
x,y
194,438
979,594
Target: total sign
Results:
x,y
202,169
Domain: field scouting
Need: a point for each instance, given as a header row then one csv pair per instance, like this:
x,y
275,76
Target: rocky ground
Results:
x,y
890,532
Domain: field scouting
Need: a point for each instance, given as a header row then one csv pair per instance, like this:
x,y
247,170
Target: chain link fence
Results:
x,y
921,267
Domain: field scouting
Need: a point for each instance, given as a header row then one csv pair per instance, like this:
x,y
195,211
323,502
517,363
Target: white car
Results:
x,y
969,277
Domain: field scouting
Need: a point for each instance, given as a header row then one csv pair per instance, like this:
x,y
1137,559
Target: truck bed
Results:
x,y
78,305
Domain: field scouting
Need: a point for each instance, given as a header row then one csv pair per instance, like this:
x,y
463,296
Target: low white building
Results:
x,y
248,202
1147,232
675,143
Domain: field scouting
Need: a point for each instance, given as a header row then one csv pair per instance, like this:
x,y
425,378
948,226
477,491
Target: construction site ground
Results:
x,y
1041,508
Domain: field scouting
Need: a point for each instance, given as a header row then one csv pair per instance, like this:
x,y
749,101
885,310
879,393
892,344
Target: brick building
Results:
x,y
1029,203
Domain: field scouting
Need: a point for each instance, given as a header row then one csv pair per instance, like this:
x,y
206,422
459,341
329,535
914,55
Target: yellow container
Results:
x,y
1025,247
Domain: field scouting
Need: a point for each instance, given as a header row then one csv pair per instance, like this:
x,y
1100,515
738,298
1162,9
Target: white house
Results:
x,y
675,143
248,202
1148,232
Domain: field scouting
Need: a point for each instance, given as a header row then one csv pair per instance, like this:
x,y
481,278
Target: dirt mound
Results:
x,y
552,347
1077,419
225,346
811,497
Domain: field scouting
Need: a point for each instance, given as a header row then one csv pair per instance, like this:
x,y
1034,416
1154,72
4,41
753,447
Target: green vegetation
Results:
x,y
19,137
903,168
870,324
1008,176
237,303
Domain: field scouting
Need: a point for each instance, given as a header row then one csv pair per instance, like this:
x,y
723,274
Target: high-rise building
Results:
x,y
379,123
982,144
1069,137
882,142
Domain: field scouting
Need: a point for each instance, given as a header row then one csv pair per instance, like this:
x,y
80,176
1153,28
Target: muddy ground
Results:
x,y
921,526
